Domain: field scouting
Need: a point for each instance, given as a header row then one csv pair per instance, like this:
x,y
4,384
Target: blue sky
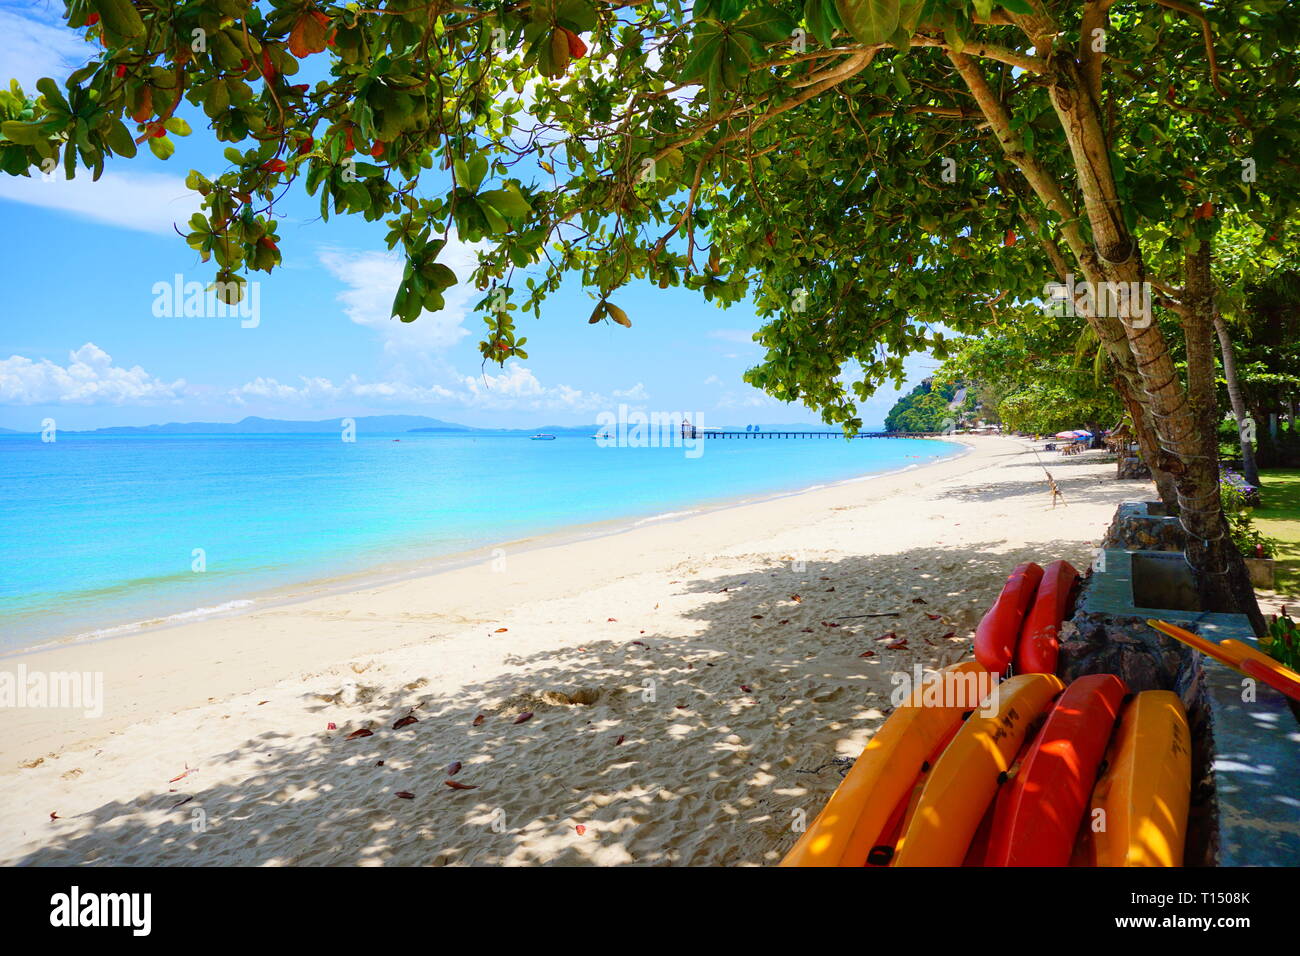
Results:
x,y
81,342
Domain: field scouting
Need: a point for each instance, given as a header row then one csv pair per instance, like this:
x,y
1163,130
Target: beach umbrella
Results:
x,y
1066,435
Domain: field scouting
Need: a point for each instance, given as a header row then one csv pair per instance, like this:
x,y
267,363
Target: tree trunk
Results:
x,y
1244,433
1145,435
1224,581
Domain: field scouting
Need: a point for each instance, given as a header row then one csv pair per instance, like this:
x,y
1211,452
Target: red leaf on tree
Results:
x,y
577,49
274,166
1010,238
1204,211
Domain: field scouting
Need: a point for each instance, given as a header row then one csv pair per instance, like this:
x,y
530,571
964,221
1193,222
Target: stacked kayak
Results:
x,y
1036,774
1024,624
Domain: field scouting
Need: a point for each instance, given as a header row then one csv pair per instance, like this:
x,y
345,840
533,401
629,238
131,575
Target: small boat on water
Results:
x,y
540,437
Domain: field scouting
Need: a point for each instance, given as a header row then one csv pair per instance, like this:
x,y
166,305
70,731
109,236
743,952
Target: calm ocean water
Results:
x,y
98,533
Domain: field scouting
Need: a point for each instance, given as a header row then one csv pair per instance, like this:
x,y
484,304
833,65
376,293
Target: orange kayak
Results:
x,y
965,779
1037,812
1038,647
995,638
1140,803
859,814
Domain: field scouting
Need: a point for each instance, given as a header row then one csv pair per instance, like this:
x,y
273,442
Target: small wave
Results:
x,y
666,516
119,629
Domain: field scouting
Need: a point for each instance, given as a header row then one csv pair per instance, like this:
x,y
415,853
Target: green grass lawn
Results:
x,y
1279,517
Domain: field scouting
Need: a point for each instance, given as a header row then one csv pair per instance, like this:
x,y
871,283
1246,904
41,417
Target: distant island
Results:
x,y
387,424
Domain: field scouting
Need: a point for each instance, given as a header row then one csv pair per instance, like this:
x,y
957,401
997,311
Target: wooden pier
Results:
x,y
782,433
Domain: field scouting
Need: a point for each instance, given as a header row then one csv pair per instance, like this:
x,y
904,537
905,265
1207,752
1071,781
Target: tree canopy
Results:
x,y
868,173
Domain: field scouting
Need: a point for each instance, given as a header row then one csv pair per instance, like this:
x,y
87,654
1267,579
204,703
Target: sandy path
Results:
x,y
689,693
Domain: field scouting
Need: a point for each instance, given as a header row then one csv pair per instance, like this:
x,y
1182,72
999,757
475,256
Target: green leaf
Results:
x,y
618,315
25,134
119,139
161,146
870,21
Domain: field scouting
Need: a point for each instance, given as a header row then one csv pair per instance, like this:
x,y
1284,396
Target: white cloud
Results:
x,y
371,280
89,378
147,202
36,44
514,388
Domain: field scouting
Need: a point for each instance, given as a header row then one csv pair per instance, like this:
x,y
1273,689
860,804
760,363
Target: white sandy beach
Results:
x,y
692,685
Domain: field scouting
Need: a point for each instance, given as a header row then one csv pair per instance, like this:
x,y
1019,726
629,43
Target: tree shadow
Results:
x,y
666,749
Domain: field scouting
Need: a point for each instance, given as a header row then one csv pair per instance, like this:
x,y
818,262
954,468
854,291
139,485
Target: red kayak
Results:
x,y
1037,813
1038,648
995,638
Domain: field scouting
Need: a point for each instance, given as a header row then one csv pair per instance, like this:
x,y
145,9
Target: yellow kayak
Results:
x,y
1139,807
965,779
859,810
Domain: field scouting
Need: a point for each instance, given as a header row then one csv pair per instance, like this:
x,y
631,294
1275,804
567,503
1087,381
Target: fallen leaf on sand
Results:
x,y
526,715
363,732
746,688
457,785
786,621
182,803
182,776
261,702
501,630
806,630
453,769
890,636
867,654
406,721
642,643
580,829
611,620
331,726
897,645
478,721
756,617
949,634
621,738
920,601
933,617
681,707
829,624
55,815
796,598
405,795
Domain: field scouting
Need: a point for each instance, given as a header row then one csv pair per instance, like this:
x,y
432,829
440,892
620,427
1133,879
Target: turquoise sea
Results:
x,y
99,533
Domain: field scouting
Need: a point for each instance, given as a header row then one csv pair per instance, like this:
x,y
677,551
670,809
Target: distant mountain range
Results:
x,y
366,423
